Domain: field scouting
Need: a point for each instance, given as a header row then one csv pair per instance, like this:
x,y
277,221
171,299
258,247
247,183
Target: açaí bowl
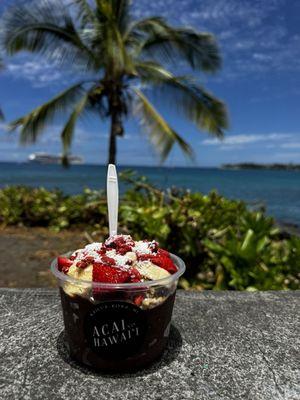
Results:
x,y
117,327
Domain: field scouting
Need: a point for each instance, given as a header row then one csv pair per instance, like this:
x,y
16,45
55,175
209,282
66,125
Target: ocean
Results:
x,y
279,191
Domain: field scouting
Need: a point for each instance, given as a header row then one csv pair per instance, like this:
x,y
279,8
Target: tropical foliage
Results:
x,y
122,61
225,246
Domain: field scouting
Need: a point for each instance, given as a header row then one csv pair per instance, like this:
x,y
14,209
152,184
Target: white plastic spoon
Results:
x,y
112,199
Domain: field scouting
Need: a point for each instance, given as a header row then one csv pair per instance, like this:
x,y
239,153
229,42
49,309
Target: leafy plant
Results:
x,y
224,245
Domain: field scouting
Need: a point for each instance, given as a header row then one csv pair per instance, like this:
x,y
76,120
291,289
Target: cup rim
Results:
x,y
137,285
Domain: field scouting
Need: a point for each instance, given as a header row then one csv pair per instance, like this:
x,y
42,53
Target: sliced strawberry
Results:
x,y
102,250
64,264
81,264
106,274
138,300
162,252
114,241
108,260
161,260
165,263
134,275
123,249
145,257
85,262
73,256
119,243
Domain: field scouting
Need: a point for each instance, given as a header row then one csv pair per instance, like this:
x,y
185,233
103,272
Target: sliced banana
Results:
x,y
131,256
85,274
151,271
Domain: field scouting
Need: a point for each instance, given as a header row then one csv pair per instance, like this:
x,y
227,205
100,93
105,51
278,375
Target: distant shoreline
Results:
x,y
226,166
276,166
278,191
122,166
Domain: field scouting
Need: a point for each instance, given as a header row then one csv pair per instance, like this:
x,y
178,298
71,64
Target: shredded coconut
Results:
x,y
112,239
142,247
93,246
90,250
120,260
125,261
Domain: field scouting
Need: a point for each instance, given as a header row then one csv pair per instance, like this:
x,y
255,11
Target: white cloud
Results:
x,y
245,44
290,145
262,57
231,147
267,144
240,140
232,140
38,72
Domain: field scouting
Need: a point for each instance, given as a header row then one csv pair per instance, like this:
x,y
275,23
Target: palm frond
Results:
x,y
33,124
140,31
195,103
68,130
47,28
121,13
198,49
161,135
118,58
97,101
85,13
147,26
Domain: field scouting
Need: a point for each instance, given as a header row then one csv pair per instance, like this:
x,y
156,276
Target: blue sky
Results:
x,y
260,83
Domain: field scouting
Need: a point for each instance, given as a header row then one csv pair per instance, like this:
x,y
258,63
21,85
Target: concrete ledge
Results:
x,y
226,345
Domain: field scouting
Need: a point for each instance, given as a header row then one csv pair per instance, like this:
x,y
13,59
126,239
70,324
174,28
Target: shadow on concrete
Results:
x,y
170,354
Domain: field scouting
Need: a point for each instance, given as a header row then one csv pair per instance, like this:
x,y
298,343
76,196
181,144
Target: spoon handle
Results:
x,y
112,199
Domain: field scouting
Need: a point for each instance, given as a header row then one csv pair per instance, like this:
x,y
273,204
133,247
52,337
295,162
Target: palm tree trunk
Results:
x,y
112,150
116,109
116,129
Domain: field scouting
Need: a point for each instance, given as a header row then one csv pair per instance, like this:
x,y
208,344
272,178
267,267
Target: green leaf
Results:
x,y
161,135
247,241
196,104
68,130
198,49
85,13
46,28
213,246
33,124
262,243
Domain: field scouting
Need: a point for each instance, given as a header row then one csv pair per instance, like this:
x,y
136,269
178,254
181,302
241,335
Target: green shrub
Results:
x,y
224,245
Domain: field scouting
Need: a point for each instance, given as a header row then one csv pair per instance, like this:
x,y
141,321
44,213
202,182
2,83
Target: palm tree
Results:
x,y
123,59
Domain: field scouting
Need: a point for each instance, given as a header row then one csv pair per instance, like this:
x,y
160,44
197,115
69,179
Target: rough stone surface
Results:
x,y
226,345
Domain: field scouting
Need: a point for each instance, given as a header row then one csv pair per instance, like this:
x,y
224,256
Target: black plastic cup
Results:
x,y
117,327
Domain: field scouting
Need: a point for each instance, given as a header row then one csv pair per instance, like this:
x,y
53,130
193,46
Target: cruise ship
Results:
x,y
44,158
